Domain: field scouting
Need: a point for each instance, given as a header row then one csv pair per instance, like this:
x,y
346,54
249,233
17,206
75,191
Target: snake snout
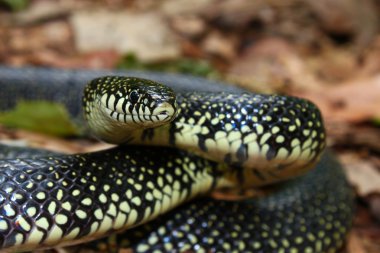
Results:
x,y
164,112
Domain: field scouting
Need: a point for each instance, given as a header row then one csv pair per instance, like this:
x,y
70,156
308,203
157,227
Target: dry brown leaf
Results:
x,y
374,202
125,32
343,134
333,64
269,65
43,10
371,60
125,251
369,238
354,244
220,45
354,101
184,7
358,18
361,173
36,140
236,13
191,26
105,59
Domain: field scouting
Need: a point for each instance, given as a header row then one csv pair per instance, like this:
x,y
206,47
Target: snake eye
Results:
x,y
134,96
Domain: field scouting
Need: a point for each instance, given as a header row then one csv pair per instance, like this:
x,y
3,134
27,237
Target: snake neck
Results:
x,y
263,138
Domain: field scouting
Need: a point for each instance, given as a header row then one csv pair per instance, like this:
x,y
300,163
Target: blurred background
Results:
x,y
325,50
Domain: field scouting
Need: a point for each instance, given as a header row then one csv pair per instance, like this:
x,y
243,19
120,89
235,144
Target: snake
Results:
x,y
182,142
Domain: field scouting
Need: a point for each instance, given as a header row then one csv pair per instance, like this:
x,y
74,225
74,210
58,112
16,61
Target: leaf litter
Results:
x,y
327,51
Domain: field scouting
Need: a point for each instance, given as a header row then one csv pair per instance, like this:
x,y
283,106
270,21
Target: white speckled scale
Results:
x,y
71,199
61,200
263,138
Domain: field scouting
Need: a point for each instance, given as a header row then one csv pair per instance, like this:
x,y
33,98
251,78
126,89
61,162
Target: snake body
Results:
x,y
265,138
66,199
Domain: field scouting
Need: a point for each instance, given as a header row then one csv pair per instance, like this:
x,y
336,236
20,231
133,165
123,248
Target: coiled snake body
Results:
x,y
64,199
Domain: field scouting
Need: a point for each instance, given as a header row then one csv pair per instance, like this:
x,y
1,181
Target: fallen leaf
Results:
x,y
333,64
190,26
40,116
106,59
183,7
236,13
343,134
270,65
25,138
357,18
125,251
43,10
220,45
125,32
374,202
355,244
361,173
353,101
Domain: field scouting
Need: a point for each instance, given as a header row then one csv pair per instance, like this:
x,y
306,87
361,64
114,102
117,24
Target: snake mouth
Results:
x,y
141,114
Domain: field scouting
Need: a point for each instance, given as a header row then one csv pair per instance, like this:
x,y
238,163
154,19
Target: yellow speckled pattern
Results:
x,y
55,200
263,138
67,199
310,214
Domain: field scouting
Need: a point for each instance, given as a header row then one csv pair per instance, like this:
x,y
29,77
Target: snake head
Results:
x,y
116,104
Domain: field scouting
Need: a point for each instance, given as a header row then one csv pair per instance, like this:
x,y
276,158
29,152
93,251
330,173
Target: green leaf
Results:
x,y
130,61
40,116
16,5
376,121
184,65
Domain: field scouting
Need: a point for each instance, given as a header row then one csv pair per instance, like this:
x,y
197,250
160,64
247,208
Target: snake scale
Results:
x,y
51,199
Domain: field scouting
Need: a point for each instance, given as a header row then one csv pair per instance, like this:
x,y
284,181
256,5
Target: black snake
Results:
x,y
64,199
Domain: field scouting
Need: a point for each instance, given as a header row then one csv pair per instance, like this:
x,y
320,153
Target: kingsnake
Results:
x,y
54,199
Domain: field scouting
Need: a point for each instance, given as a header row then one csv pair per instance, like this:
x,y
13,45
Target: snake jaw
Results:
x,y
115,126
122,105
141,115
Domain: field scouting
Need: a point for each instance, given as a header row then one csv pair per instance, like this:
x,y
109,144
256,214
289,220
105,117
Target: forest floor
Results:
x,y
327,51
